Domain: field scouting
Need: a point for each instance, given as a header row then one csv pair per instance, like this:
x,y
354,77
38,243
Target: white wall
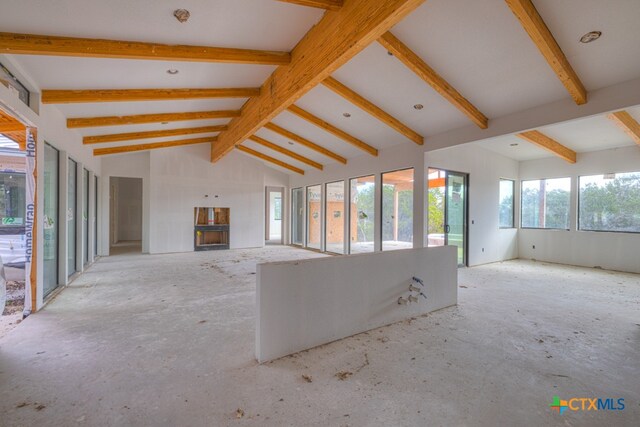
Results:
x,y
184,178
615,251
305,303
487,242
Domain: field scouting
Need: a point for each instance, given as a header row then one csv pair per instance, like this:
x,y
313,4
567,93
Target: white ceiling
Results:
x,y
476,45
582,136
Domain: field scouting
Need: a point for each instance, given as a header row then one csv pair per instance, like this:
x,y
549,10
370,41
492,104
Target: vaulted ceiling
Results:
x,y
484,56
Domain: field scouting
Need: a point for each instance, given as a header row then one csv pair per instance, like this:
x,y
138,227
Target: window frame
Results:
x,y
306,217
326,217
578,206
381,206
522,181
348,209
513,204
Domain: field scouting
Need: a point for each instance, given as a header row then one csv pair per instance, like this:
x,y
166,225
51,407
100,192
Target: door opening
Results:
x,y
274,230
448,211
125,223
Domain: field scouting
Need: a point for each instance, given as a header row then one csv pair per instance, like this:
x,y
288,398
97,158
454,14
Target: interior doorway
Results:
x,y
274,229
448,195
125,215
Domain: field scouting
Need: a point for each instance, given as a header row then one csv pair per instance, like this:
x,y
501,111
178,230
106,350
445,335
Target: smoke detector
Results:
x,y
182,15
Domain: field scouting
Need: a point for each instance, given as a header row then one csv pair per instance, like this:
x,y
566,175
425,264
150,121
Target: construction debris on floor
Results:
x,y
154,340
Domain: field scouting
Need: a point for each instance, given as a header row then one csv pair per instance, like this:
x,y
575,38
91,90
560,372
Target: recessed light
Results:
x,y
182,15
418,106
172,71
347,115
590,36
515,144
290,143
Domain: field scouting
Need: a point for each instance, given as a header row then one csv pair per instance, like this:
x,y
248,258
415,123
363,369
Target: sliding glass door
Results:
x,y
85,216
397,210
362,210
314,217
334,217
297,216
71,217
447,212
50,220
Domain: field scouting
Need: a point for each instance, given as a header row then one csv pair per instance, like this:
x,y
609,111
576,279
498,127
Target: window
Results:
x,y
334,217
507,188
10,81
314,214
297,216
397,210
362,220
545,203
610,202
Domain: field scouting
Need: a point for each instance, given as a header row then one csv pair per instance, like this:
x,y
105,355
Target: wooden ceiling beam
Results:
x,y
305,142
320,4
86,122
549,144
117,137
32,44
333,41
303,114
151,146
540,34
126,95
270,159
627,123
284,151
374,110
12,127
432,78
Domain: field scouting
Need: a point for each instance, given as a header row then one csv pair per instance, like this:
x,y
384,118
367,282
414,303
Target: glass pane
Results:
x,y
506,203
456,207
436,183
12,201
610,202
297,216
50,220
545,203
334,223
95,218
71,218
363,219
397,210
85,216
275,215
314,224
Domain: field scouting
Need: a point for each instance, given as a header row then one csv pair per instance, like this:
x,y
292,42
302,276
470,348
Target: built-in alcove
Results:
x,y
211,230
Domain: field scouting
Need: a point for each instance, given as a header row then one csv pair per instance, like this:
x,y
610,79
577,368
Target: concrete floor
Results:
x,y
167,340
